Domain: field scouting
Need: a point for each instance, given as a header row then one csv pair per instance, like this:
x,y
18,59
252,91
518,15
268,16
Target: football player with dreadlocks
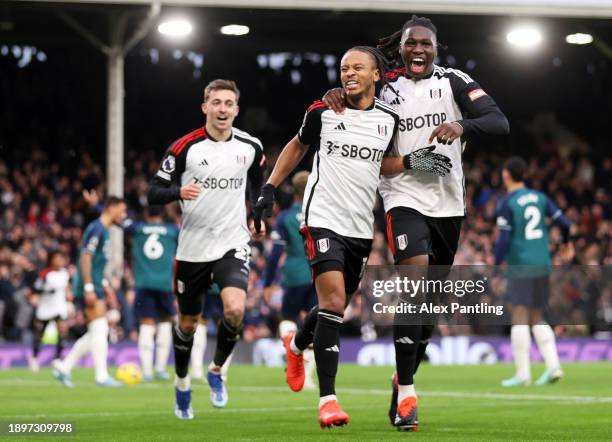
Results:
x,y
439,108
351,150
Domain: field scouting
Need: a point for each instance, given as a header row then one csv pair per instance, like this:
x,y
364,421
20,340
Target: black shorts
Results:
x,y
410,233
328,251
152,303
530,292
296,299
193,279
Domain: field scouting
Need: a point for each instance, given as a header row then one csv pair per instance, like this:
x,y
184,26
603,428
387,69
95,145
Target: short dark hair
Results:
x,y
379,59
219,85
517,168
154,210
113,201
52,254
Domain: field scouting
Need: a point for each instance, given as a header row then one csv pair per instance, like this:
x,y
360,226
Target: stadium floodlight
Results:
x,y
579,39
524,37
235,30
175,28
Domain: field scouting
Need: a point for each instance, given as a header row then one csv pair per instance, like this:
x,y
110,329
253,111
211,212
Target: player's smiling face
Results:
x,y
418,50
358,73
221,108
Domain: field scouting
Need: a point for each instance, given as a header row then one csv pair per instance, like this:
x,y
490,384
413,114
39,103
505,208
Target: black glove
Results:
x,y
264,205
426,160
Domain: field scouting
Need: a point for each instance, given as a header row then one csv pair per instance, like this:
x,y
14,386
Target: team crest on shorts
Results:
x,y
323,245
402,241
180,286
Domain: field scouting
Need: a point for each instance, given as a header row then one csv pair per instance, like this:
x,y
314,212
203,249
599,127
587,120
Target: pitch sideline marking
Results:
x,y
366,391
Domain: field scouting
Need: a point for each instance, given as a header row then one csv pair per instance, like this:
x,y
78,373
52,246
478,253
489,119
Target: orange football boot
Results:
x,y
406,418
294,372
331,415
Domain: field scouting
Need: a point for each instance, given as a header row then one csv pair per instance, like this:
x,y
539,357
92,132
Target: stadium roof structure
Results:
x,y
567,8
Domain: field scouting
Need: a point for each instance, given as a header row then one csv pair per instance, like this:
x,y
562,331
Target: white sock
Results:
x,y
99,347
309,366
225,367
80,348
163,344
294,348
521,344
324,399
545,339
404,391
182,384
213,367
285,327
197,351
146,342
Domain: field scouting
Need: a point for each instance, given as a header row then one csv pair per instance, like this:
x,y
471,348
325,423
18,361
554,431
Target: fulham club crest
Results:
x,y
435,94
402,241
323,245
382,130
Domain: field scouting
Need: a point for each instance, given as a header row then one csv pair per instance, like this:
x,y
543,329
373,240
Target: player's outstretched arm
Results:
x,y
288,159
424,159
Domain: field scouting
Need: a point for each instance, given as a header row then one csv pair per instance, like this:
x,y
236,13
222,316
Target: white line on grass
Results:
x,y
166,412
361,391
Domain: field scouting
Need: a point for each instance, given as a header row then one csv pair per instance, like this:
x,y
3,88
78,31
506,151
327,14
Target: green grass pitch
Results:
x,y
456,402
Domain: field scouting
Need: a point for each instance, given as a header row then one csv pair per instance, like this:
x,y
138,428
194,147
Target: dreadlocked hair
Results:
x,y
390,44
381,61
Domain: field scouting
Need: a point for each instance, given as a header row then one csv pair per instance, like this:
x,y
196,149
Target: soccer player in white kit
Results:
x,y
52,287
439,109
338,204
207,171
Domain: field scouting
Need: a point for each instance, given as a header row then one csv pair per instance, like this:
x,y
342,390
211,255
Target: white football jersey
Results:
x,y
341,189
52,285
215,222
423,105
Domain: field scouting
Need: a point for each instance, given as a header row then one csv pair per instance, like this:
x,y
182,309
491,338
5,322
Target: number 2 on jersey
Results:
x,y
533,217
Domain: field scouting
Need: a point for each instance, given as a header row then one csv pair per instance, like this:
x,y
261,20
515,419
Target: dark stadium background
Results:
x,y
558,99
63,99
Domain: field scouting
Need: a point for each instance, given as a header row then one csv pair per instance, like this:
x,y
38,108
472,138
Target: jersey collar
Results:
x,y
208,136
370,107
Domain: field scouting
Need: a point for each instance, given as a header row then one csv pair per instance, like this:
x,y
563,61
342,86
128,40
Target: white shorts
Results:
x,y
50,310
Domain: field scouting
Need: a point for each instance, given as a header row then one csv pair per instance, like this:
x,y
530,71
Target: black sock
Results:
x,y
226,341
326,343
59,347
426,332
304,336
406,339
182,350
39,329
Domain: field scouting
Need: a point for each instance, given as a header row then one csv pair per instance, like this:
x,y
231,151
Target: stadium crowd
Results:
x,y
46,205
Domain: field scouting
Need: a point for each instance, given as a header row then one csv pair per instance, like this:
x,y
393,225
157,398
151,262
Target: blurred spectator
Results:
x,y
43,208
